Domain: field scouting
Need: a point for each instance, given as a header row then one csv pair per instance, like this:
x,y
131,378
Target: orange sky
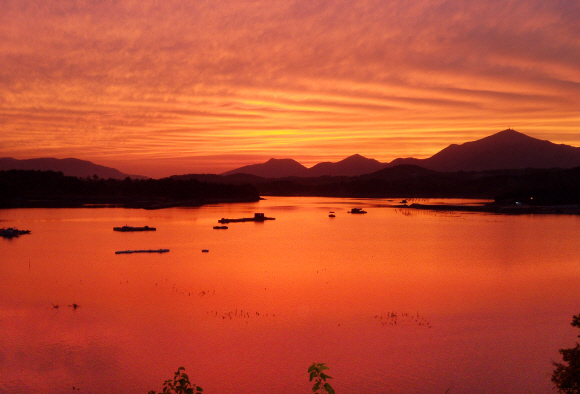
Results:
x,y
172,87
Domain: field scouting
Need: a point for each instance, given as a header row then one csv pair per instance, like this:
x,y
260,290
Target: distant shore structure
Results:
x,y
258,217
130,228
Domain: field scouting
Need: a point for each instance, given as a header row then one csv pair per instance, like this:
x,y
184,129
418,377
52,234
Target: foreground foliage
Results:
x,y
319,377
179,385
566,375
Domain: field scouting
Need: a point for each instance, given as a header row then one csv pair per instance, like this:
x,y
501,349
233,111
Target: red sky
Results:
x,y
172,87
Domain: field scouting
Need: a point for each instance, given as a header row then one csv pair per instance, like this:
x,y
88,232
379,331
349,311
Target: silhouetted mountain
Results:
x,y
273,168
507,149
282,168
351,166
69,167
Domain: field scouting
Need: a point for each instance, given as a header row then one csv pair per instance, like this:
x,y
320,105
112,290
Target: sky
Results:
x,y
168,87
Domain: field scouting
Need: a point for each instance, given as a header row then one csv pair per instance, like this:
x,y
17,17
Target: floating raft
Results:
x,y
12,232
357,211
258,217
142,251
130,228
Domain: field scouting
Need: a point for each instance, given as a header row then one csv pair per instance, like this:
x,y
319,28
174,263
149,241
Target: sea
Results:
x,y
395,300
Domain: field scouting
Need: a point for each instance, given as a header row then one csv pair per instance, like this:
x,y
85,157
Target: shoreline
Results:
x,y
154,204
499,209
121,203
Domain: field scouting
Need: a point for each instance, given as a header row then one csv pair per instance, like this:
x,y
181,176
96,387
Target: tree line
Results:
x,y
29,188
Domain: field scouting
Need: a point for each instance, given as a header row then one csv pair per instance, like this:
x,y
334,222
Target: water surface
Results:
x,y
394,301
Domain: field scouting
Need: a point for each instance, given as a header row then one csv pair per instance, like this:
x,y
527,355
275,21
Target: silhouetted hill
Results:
x,y
282,168
235,179
529,186
405,171
507,149
273,168
351,166
69,167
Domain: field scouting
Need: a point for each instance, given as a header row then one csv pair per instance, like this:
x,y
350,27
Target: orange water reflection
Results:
x,y
482,302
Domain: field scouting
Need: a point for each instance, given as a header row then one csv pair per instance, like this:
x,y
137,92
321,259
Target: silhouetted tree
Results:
x,y
566,375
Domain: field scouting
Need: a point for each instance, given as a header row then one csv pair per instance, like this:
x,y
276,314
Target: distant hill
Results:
x,y
69,167
507,149
234,179
351,166
403,171
282,168
273,168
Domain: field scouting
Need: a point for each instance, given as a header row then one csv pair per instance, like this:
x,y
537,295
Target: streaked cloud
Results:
x,y
179,86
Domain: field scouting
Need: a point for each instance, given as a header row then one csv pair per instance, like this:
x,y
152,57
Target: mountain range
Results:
x,y
507,149
69,167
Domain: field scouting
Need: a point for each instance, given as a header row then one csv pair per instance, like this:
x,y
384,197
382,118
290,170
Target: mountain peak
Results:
x,y
357,158
508,136
507,149
273,168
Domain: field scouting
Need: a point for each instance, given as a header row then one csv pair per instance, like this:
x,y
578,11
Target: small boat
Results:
x,y
357,210
204,250
131,228
220,227
331,215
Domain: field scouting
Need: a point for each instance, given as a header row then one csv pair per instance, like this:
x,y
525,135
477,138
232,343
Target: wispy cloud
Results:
x,y
129,80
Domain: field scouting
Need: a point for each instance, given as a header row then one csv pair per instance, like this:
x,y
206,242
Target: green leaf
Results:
x,y
312,367
199,389
316,387
325,376
312,375
329,388
323,367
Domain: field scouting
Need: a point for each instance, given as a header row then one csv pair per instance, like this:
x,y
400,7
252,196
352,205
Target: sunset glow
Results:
x,y
174,87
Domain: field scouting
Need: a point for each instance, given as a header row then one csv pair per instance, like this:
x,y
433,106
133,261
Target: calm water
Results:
x,y
394,301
